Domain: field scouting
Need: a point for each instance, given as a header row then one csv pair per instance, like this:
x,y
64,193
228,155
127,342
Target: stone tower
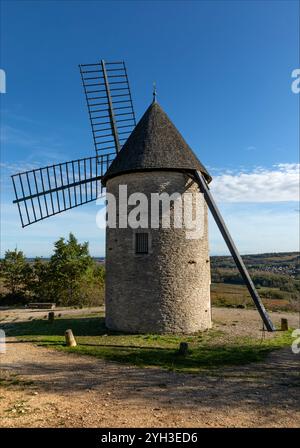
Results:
x,y
157,279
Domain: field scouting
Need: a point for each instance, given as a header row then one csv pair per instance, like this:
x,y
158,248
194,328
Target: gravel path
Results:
x,y
56,389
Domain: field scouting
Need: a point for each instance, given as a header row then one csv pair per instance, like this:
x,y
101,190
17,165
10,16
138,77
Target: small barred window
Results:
x,y
141,243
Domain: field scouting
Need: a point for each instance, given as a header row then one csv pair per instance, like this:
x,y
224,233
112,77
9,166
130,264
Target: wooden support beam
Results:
x,y
233,250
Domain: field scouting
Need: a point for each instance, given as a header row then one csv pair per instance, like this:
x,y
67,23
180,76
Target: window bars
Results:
x,y
141,243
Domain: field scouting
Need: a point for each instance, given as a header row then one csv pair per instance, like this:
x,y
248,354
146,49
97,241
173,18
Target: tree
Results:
x,y
39,281
15,270
71,277
92,286
69,268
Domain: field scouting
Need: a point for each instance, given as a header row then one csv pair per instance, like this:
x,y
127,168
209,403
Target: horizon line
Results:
x,y
212,255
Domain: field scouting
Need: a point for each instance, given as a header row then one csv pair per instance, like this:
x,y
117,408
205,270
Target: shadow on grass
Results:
x,y
218,382
93,339
167,358
92,326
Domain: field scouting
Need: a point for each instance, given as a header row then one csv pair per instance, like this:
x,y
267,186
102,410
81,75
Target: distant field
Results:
x,y
286,263
275,275
232,296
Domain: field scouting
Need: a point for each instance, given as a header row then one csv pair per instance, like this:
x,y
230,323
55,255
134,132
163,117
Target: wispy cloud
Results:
x,y
45,149
280,183
18,116
22,165
38,239
13,135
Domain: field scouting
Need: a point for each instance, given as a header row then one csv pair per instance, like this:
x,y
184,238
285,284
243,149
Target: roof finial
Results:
x,y
154,92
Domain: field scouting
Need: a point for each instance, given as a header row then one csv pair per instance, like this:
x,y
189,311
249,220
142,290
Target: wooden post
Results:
x,y
51,316
183,348
70,339
284,324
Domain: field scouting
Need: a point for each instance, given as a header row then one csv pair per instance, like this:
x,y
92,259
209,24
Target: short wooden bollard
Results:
x,y
183,348
70,339
51,316
284,324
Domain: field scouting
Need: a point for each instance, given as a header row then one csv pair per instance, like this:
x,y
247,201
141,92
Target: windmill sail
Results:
x,y
44,192
47,191
109,104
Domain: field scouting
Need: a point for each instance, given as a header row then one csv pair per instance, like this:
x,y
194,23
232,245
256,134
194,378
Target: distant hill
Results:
x,y
285,263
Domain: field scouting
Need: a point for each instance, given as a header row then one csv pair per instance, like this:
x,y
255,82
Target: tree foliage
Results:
x,y
39,280
71,277
70,267
14,270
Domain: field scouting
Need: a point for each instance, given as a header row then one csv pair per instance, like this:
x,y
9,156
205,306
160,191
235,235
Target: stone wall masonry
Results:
x,y
168,289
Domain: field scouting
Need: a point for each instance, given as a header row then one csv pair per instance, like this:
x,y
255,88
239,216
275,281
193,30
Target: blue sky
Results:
x,y
223,73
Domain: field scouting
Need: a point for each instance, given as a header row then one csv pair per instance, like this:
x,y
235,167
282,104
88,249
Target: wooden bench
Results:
x,y
41,305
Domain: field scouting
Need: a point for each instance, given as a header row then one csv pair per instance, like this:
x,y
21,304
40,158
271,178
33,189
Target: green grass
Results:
x,y
209,349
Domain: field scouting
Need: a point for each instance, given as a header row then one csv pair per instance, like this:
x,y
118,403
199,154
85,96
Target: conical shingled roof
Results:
x,y
155,144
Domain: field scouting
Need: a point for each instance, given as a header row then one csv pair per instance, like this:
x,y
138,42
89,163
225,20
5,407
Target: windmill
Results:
x,y
156,280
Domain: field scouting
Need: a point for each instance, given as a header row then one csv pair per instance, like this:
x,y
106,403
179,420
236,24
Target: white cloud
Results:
x,y
257,228
281,183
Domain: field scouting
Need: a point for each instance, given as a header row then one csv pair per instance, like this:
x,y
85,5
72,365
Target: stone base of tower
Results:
x,y
166,290
135,324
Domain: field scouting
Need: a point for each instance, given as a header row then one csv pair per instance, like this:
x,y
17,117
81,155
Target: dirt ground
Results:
x,y
56,389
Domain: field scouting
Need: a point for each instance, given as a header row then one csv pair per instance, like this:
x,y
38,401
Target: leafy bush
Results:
x,y
70,278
